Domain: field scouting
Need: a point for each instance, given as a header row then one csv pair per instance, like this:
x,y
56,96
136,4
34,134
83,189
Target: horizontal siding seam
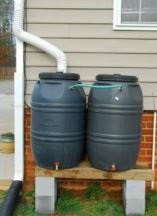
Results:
x,y
93,67
98,38
34,66
116,38
95,52
70,8
71,23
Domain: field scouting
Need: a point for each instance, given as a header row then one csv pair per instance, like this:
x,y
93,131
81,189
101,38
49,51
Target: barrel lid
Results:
x,y
59,75
116,78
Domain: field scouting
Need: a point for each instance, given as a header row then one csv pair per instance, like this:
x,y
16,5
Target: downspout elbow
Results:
x,y
35,40
43,45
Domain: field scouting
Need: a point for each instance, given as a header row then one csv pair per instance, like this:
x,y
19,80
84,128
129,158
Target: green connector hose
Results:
x,y
95,86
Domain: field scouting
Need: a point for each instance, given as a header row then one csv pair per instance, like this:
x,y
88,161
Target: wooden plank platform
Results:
x,y
85,171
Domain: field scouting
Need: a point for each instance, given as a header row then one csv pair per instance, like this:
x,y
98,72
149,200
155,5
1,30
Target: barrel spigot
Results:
x,y
56,164
113,168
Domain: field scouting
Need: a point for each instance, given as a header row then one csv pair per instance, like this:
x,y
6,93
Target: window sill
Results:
x,y
133,27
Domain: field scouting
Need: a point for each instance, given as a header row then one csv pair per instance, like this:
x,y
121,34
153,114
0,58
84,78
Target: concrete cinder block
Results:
x,y
45,205
134,189
134,197
135,207
45,195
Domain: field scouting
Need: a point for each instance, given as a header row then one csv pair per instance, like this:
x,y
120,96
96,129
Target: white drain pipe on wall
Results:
x,y
19,103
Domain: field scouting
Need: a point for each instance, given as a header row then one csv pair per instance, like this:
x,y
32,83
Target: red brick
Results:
x,y
149,139
147,131
145,158
28,157
147,117
29,163
27,130
27,137
149,152
146,145
28,150
142,138
144,124
149,124
142,152
27,111
108,183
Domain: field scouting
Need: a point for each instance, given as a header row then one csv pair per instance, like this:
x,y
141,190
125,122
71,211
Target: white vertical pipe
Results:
x,y
153,147
19,112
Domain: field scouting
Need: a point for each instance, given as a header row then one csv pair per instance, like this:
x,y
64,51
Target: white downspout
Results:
x,y
22,36
153,147
34,40
19,106
19,115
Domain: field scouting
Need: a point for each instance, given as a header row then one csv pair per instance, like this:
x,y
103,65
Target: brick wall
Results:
x,y
29,162
145,157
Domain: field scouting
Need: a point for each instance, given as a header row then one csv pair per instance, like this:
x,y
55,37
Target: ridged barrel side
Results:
x,y
114,125
58,123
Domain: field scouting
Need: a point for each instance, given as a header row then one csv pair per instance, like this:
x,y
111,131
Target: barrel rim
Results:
x,y
116,78
59,75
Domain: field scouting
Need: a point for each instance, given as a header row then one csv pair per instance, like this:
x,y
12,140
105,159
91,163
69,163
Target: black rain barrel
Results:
x,y
58,121
114,122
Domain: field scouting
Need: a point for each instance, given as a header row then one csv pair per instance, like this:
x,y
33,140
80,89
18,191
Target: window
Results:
x,y
135,15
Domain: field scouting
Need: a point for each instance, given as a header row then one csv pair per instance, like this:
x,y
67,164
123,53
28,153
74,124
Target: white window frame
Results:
x,y
117,25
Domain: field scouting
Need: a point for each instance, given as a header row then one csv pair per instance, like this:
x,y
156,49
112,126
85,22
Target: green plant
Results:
x,y
151,204
69,205
25,210
105,207
2,197
25,204
28,194
94,191
8,135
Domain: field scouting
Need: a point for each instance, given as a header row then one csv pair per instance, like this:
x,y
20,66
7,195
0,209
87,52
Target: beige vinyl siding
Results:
x,y
107,45
83,30
96,60
69,16
88,73
66,4
97,31
88,31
